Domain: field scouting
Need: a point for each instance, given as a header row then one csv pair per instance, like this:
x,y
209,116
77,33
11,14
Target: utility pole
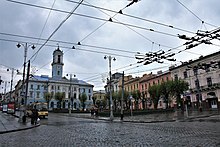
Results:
x,y
110,87
70,94
12,75
198,88
26,92
122,98
26,46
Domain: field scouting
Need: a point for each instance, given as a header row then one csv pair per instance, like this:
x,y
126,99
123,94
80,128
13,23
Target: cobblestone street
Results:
x,y
71,131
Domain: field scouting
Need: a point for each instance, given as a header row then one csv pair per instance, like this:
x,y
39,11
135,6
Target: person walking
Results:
x,y
92,112
35,115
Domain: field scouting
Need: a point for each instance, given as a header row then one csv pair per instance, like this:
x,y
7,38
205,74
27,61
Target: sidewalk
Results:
x,y
213,116
9,123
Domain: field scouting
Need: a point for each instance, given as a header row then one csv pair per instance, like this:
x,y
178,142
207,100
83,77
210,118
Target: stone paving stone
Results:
x,y
71,131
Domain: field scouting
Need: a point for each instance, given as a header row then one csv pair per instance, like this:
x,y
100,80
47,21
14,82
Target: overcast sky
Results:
x,y
127,34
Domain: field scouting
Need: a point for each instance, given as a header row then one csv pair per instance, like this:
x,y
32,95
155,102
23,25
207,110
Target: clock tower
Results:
x,y
57,64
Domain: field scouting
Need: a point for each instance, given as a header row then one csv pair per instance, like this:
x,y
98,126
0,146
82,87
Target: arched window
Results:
x,y
52,104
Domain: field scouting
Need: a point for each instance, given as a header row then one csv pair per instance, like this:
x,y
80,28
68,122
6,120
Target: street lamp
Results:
x,y
70,93
110,87
132,101
26,46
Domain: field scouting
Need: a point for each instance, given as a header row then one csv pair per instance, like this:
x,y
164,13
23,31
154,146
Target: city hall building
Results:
x,y
72,88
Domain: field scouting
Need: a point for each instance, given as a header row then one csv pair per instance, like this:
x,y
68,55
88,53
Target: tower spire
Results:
x,y
57,64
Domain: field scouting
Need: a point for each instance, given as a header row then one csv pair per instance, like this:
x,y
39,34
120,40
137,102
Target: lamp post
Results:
x,y
110,87
132,101
26,46
122,98
70,93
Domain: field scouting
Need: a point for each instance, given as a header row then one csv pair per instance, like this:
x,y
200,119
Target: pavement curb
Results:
x,y
189,119
20,129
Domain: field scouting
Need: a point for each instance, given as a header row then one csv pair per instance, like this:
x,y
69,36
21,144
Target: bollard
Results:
x,y
122,116
24,118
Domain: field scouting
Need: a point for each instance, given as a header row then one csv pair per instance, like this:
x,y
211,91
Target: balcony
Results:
x,y
206,88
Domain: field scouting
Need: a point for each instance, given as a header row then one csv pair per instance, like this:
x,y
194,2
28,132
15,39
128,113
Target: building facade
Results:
x,y
72,88
203,76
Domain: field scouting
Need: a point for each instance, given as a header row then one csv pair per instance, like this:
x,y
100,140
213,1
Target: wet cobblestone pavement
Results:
x,y
57,131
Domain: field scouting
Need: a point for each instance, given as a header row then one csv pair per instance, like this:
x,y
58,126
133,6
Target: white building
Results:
x,y
203,76
72,88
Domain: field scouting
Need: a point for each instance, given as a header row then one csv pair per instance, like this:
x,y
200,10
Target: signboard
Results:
x,y
11,108
4,107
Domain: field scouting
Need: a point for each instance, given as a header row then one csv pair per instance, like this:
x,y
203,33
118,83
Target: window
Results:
x,y
198,97
89,90
219,65
185,74
197,83
58,72
207,67
175,77
58,87
31,94
58,59
74,88
32,87
52,87
38,94
195,70
38,87
209,81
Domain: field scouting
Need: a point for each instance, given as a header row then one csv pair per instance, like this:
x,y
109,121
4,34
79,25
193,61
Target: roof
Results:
x,y
194,61
40,78
46,78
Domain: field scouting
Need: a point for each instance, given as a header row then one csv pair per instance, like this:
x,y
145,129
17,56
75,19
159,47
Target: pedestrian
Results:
x,y
92,112
96,113
35,115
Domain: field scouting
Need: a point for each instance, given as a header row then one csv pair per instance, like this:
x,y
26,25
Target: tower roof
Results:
x,y
58,50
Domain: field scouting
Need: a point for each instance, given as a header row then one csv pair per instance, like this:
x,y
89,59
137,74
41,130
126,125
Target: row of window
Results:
x,y
131,87
38,87
154,82
195,70
83,90
37,95
208,80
